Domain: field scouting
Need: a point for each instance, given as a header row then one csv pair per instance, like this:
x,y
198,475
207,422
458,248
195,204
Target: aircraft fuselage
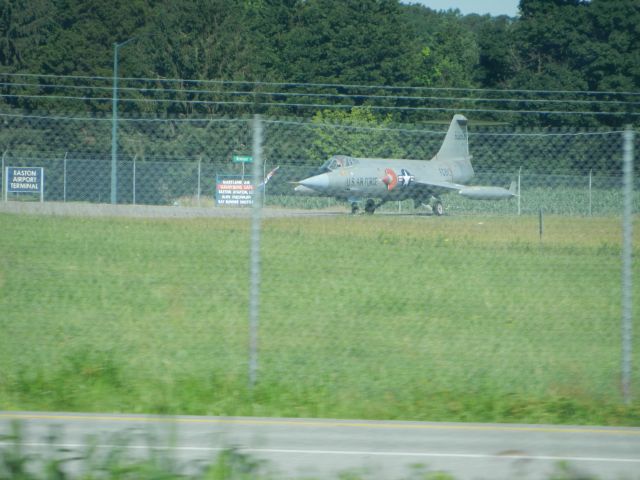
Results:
x,y
349,178
387,179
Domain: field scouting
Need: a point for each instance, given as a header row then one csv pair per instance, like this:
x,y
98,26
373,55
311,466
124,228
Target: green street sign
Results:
x,y
242,159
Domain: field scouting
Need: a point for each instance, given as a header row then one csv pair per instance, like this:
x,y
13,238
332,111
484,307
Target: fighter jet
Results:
x,y
380,180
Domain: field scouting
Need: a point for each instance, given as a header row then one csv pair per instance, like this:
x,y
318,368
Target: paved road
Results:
x,y
79,209
321,448
154,211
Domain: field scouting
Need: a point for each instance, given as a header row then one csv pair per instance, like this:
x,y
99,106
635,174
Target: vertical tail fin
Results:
x,y
268,177
456,142
513,188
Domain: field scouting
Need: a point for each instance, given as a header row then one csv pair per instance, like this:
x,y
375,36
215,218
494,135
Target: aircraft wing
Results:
x,y
473,192
439,186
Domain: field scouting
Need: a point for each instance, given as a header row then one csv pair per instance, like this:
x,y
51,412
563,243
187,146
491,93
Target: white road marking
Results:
x,y
342,452
328,423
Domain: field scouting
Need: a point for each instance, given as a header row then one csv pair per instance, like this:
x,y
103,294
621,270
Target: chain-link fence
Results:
x,y
193,183
175,162
503,309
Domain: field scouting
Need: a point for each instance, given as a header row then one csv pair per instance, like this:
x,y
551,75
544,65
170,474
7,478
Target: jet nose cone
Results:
x,y
318,182
304,190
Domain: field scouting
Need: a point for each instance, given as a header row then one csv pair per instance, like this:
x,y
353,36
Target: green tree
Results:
x,y
270,22
88,28
447,48
578,45
614,50
204,39
333,41
197,40
357,132
549,34
497,62
26,27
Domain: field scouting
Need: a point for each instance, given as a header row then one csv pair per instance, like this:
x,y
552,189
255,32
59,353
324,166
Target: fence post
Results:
x,y
199,175
519,195
254,282
133,193
4,180
590,192
64,177
540,224
627,232
42,186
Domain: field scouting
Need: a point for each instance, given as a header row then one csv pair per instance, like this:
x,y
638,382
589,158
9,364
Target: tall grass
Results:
x,y
557,200
471,319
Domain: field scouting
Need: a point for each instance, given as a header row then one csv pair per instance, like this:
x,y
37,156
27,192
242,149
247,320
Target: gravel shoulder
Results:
x,y
78,209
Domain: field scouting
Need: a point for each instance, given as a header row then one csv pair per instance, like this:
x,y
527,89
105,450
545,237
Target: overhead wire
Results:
x,y
145,90
261,98
321,85
333,106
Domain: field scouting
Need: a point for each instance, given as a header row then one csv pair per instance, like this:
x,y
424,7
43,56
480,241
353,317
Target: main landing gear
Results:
x,y
434,204
437,208
369,207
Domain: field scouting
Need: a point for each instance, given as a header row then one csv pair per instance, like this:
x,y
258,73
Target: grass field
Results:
x,y
556,201
394,317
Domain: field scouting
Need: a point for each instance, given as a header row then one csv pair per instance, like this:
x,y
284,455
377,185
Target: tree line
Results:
x,y
292,56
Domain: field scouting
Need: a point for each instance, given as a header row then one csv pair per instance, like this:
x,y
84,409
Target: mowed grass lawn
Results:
x,y
382,317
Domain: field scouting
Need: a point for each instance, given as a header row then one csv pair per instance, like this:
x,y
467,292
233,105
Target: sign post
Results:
x,y
243,159
235,190
3,192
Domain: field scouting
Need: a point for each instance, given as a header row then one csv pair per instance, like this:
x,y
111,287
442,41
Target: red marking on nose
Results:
x,y
390,179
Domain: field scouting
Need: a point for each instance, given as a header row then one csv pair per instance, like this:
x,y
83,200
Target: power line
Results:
x,y
314,95
317,105
320,85
418,130
125,119
325,105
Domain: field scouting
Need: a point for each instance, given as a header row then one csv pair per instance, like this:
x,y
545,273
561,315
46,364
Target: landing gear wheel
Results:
x,y
370,206
354,208
438,209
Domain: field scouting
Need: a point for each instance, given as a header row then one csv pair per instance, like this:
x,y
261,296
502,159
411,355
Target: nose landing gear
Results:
x,y
370,206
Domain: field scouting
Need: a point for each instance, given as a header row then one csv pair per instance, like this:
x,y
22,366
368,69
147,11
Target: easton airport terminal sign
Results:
x,y
24,180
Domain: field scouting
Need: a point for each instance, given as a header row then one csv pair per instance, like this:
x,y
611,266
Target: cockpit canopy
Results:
x,y
338,161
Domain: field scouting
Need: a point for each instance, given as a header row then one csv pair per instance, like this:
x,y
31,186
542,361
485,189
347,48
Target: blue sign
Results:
x,y
25,180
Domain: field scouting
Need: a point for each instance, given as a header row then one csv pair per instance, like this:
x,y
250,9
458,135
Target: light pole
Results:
x,y
114,123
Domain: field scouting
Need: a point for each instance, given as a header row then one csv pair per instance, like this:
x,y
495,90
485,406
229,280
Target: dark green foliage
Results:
x,y
332,41
497,51
319,51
